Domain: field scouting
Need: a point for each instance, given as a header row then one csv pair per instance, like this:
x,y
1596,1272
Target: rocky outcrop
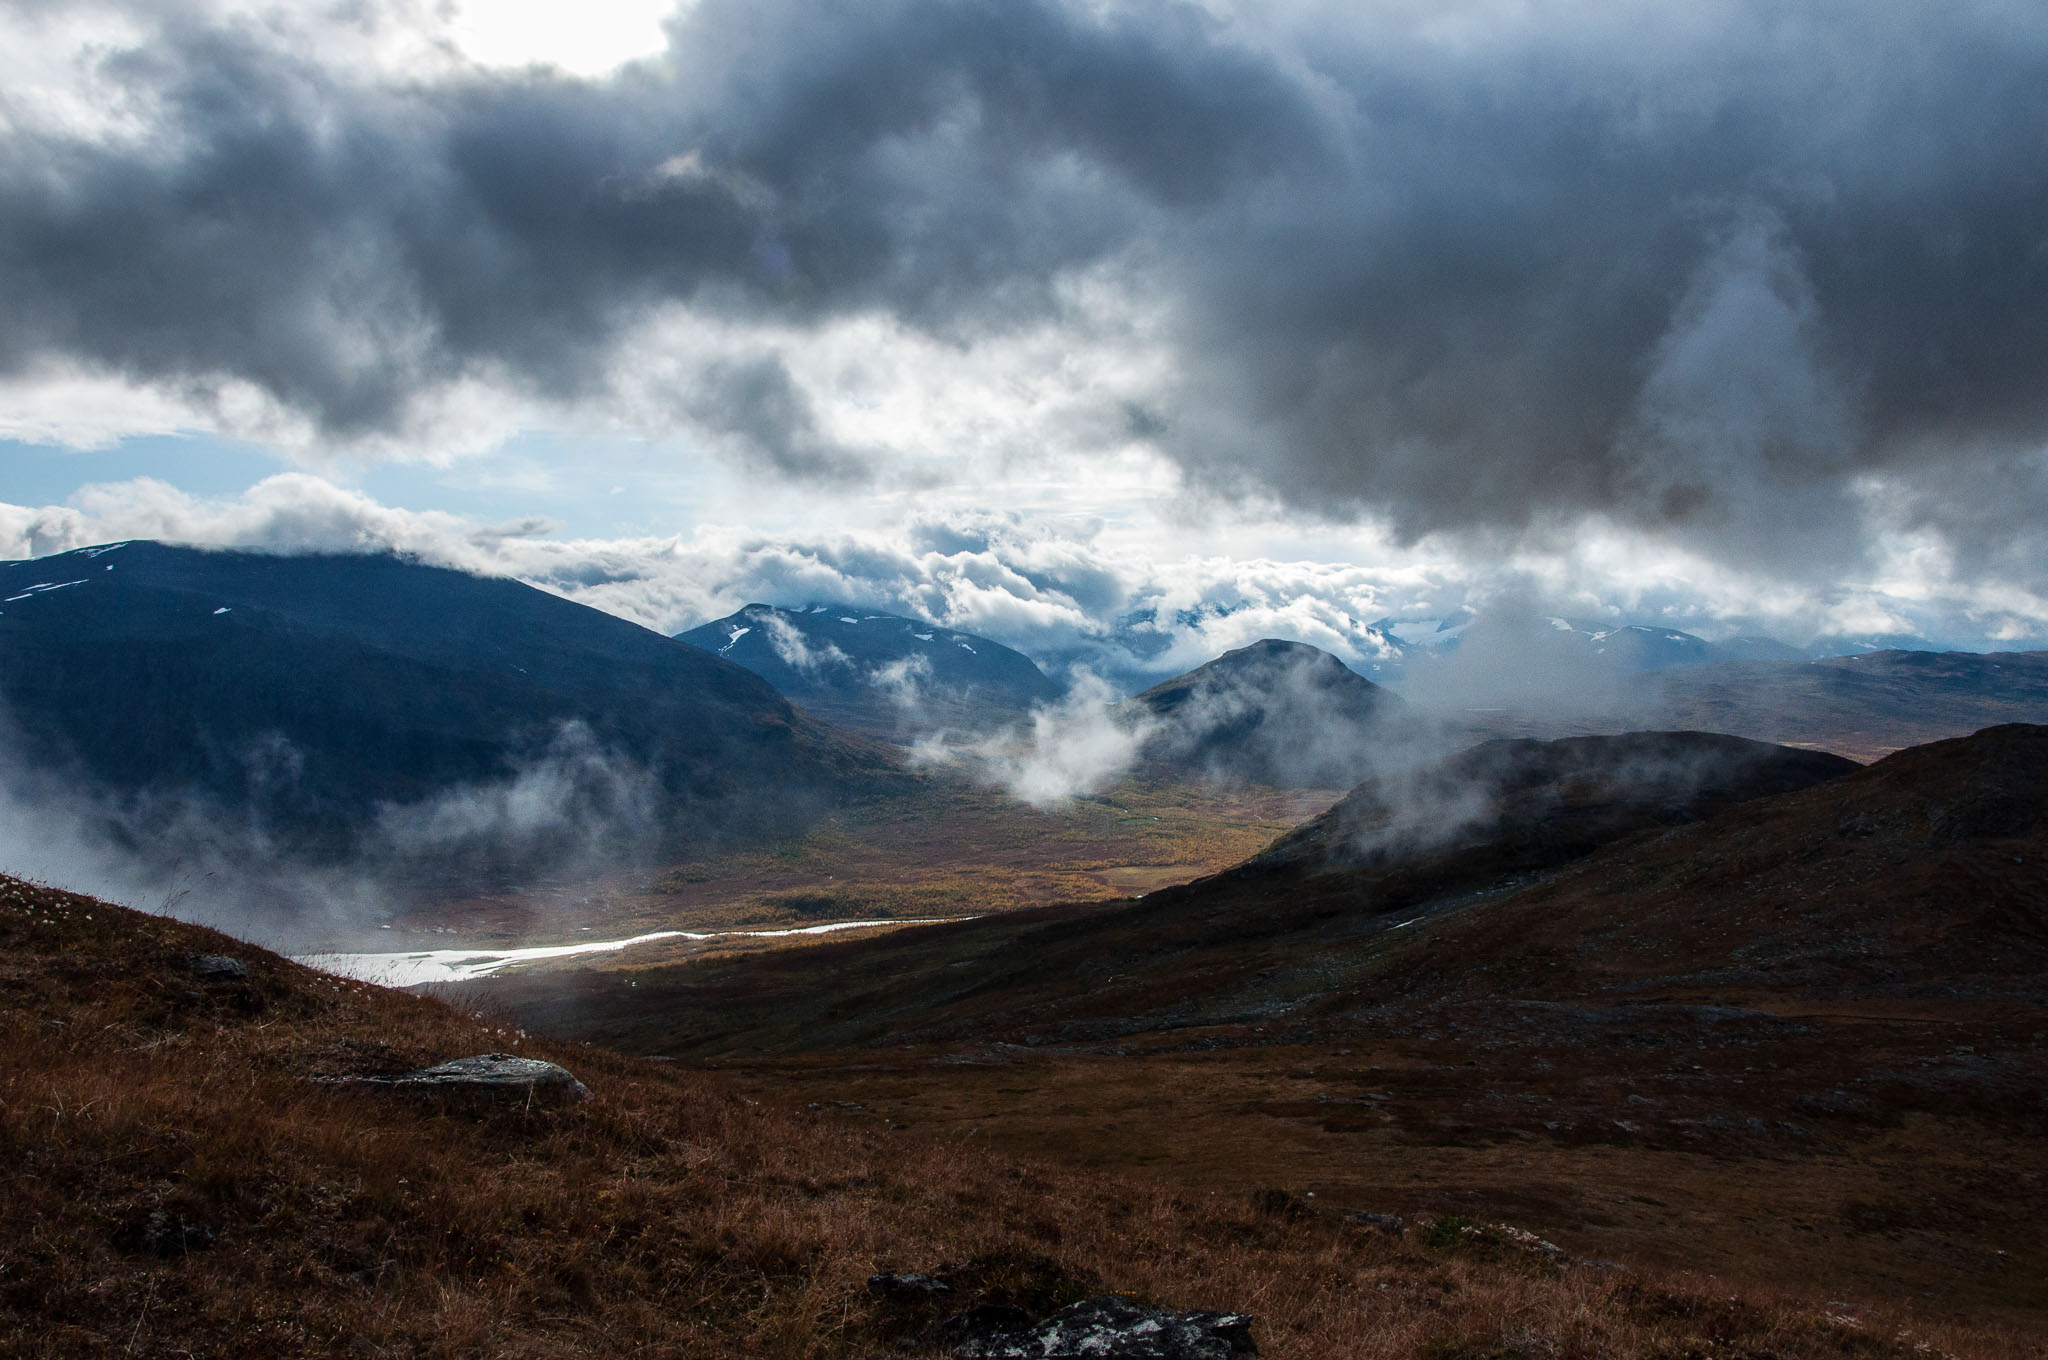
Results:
x,y
906,1285
487,1075
1106,1327
218,968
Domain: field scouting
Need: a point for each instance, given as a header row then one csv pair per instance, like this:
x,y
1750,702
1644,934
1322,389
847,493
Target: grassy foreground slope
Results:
x,y
665,1216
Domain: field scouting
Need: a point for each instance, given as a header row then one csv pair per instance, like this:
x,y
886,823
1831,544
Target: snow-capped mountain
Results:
x,y
1604,646
882,674
308,700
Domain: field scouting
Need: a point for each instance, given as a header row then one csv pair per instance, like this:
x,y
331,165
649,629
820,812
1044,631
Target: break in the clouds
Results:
x,y
1762,287
1074,594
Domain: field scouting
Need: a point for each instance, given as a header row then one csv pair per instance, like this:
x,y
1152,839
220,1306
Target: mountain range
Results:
x,y
882,674
1693,1001
1620,647
1865,706
315,702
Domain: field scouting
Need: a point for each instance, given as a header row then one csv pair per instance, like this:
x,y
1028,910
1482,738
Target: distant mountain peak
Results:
x,y
883,674
1272,712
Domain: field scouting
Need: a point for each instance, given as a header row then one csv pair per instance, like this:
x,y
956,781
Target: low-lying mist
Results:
x,y
573,808
1283,715
1070,749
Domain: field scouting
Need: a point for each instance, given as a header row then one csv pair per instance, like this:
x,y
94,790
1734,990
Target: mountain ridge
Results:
x,y
300,696
885,675
1184,956
1273,712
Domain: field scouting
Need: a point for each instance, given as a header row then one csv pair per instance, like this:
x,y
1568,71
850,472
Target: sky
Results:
x,y
1121,332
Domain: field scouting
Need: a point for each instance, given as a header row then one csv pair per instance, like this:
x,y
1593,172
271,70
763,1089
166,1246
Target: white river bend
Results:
x,y
414,967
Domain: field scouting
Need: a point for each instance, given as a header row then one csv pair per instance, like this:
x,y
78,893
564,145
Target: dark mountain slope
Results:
x,y
882,674
1924,875
298,695
1202,954
1539,802
1278,713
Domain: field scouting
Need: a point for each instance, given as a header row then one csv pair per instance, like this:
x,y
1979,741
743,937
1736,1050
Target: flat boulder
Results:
x,y
219,968
1106,1327
907,1285
490,1075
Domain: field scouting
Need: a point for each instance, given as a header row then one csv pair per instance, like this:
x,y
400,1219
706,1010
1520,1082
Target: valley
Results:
x,y
1558,1007
943,847
1800,1041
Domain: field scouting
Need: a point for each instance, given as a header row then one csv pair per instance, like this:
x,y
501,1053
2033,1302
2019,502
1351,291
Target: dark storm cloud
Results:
x,y
756,400
348,246
1681,275
1698,269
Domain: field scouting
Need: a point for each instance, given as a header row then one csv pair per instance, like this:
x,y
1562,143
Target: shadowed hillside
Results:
x,y
1204,953
314,704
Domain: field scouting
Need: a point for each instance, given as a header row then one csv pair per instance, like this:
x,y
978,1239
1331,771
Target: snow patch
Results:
x,y
43,588
223,609
733,638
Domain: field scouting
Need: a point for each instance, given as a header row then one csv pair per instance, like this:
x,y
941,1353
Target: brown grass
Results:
x,y
668,1215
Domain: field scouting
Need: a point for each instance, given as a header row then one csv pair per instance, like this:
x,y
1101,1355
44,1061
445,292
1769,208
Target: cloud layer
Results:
x,y
1068,594
1764,285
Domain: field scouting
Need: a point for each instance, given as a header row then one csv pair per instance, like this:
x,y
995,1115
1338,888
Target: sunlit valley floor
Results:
x,y
947,848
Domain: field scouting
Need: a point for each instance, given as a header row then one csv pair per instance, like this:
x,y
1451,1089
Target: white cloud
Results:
x,y
1075,747
794,649
1127,601
589,38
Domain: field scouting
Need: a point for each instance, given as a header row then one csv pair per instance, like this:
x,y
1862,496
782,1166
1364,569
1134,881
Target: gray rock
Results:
x,y
988,1324
1108,1327
218,968
908,1285
1393,1225
488,1075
